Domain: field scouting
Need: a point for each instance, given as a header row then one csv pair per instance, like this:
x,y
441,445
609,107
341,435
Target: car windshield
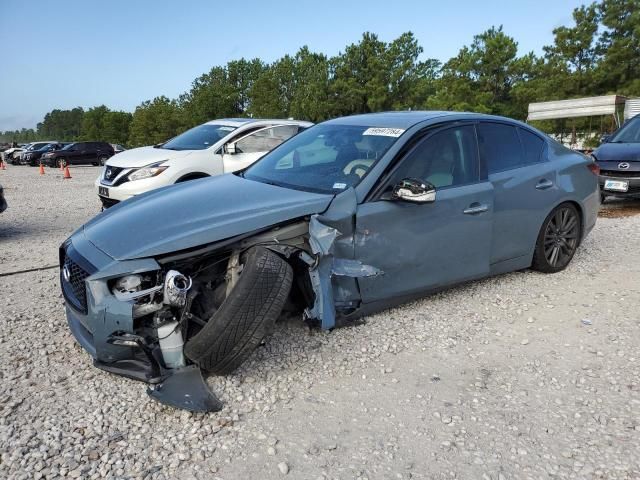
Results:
x,y
38,146
48,146
325,158
198,138
629,133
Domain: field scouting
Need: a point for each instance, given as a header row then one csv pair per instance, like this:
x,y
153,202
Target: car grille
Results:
x,y
110,173
620,173
73,287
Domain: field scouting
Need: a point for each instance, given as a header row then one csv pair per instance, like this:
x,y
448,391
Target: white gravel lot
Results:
x,y
522,376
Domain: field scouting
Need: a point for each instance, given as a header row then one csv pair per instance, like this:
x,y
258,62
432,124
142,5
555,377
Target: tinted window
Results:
x,y
266,139
532,145
499,146
444,159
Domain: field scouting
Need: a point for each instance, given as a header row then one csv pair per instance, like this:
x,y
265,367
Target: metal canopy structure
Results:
x,y
579,107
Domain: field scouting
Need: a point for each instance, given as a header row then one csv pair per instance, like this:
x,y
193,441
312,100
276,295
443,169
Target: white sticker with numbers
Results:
x,y
384,132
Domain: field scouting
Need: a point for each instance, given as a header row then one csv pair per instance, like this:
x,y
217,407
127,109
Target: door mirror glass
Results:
x,y
414,191
231,148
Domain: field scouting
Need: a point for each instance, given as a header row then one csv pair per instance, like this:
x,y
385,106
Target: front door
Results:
x,y
429,245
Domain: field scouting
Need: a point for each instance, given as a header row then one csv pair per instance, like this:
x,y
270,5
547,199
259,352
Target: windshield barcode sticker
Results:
x,y
384,132
339,186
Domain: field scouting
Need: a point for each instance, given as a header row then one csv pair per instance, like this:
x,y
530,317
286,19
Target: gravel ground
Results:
x,y
522,376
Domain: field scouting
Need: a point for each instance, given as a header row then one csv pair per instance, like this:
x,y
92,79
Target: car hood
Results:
x,y
618,152
196,213
140,157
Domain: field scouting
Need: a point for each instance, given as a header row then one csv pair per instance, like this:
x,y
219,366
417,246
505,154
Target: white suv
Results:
x,y
213,148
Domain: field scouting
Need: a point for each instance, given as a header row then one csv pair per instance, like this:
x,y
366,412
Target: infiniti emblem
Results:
x,y
623,166
108,173
66,274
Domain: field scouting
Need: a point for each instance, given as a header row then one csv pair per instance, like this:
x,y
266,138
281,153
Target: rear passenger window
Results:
x,y
532,145
500,147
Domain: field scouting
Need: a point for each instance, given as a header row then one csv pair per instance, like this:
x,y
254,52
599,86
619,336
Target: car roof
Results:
x,y
237,122
407,119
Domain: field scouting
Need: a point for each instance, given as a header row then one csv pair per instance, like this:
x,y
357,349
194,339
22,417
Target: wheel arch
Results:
x,y
192,176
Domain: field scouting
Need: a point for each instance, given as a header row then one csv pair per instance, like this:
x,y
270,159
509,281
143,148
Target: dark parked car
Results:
x,y
346,218
34,157
619,161
3,202
79,153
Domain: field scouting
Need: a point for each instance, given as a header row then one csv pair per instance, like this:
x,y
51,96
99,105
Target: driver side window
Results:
x,y
446,158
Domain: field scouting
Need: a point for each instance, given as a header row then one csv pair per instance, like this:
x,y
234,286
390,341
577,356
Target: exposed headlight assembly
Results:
x,y
148,171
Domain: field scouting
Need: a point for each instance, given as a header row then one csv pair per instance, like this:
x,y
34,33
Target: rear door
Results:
x,y
524,186
429,245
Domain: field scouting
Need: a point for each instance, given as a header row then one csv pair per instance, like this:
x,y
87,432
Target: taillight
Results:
x,y
595,168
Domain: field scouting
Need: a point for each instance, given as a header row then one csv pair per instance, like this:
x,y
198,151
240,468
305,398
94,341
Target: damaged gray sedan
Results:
x,y
351,216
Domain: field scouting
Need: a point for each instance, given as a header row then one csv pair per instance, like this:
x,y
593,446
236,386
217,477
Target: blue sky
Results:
x,y
67,53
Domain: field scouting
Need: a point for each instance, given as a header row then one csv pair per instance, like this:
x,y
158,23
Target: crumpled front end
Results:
x,y
123,327
160,319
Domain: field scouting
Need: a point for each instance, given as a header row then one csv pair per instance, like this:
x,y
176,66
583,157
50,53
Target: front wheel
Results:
x,y
61,162
558,239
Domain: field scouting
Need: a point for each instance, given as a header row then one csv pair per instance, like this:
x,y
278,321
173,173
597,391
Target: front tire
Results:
x,y
246,316
61,162
558,239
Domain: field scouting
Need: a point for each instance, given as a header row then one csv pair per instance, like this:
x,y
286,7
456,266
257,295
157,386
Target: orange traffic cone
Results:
x,y
61,166
67,173
41,169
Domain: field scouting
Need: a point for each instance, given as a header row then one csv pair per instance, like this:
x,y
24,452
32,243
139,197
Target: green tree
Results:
x,y
155,121
92,127
619,45
482,77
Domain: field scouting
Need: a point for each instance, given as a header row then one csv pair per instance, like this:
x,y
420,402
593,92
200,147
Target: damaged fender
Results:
x,y
334,275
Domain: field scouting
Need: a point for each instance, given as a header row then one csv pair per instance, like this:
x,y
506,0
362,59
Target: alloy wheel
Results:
x,y
561,237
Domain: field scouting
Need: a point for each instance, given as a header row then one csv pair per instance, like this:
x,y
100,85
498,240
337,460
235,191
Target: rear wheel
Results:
x,y
245,316
558,239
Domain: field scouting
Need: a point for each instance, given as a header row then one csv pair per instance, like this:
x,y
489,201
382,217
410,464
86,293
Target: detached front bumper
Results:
x,y
104,327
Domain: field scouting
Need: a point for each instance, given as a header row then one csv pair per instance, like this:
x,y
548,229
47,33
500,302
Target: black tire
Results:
x,y
603,198
558,239
246,316
61,162
102,160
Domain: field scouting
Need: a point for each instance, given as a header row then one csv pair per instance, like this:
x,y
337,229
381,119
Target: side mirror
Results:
x,y
414,191
605,138
231,148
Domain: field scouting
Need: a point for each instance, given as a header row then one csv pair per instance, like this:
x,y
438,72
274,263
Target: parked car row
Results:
x,y
55,154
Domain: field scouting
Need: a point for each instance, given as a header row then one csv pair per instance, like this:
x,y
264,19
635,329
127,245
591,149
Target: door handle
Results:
x,y
475,208
543,184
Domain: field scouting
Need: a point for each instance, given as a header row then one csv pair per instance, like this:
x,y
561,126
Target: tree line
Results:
x,y
598,54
